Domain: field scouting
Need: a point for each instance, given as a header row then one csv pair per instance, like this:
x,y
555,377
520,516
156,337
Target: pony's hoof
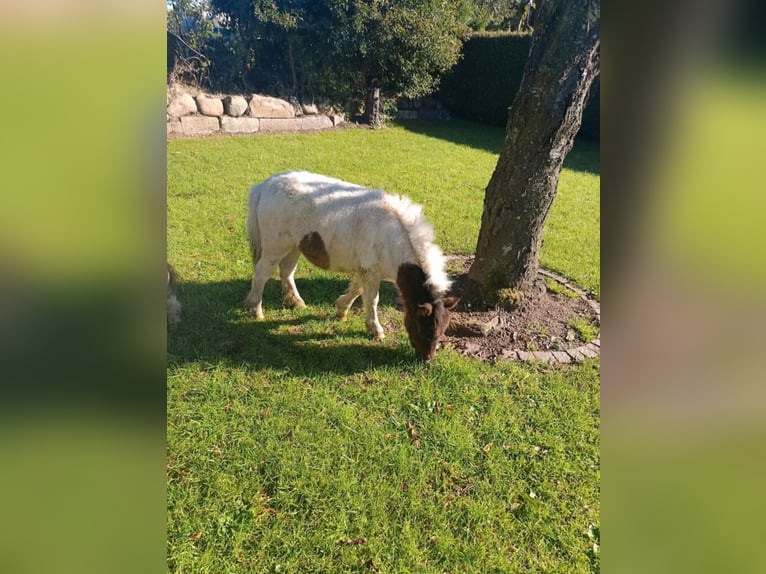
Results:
x,y
257,314
379,336
341,316
295,303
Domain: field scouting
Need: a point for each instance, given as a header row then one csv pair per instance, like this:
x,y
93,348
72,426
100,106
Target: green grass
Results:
x,y
288,438
555,287
584,328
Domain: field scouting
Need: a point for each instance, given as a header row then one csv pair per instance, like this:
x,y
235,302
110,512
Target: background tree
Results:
x,y
543,121
190,28
189,20
342,49
497,14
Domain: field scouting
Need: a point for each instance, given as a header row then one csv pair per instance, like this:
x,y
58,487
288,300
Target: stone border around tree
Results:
x,y
205,114
579,354
590,350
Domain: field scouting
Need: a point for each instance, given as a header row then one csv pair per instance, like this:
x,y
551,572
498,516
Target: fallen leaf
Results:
x,y
371,564
486,448
354,541
388,436
195,537
413,434
290,434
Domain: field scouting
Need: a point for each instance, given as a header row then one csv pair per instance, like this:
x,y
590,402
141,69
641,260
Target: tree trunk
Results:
x,y
543,121
372,107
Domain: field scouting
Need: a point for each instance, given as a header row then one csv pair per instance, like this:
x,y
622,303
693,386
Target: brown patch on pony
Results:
x,y
312,247
426,317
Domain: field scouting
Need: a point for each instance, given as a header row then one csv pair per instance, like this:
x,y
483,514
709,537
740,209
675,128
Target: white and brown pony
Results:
x,y
344,227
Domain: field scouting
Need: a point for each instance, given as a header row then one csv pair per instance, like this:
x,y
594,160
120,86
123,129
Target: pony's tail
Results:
x,y
253,230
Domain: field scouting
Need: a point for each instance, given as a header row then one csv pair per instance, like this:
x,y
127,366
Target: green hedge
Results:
x,y
484,82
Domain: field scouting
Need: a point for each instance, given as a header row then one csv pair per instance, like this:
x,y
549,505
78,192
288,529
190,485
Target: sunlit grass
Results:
x,y
298,444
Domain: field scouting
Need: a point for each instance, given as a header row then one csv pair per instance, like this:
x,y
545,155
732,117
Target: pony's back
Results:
x,y
360,228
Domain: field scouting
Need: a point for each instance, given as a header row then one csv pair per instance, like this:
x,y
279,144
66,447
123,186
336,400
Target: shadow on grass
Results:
x,y
585,155
216,328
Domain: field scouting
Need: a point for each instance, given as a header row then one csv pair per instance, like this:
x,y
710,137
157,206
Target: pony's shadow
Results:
x,y
216,328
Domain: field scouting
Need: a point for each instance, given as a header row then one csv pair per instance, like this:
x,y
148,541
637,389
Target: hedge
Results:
x,y
484,82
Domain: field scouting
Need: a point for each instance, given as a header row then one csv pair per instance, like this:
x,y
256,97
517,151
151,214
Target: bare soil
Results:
x,y
542,321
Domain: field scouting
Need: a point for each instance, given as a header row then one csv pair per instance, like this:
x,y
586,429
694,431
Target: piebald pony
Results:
x,y
352,229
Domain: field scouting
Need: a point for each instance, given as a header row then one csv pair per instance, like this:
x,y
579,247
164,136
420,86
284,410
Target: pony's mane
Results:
x,y
421,236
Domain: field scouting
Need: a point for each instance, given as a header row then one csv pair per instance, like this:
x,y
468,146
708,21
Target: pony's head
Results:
x,y
426,314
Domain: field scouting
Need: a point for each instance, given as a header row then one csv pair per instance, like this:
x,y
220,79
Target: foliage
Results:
x,y
331,48
338,48
505,15
189,20
495,61
190,31
298,444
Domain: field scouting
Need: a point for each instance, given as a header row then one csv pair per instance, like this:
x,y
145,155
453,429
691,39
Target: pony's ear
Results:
x,y
451,302
425,309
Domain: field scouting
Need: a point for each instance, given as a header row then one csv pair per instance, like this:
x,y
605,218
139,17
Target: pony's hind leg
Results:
x,y
261,273
287,267
344,302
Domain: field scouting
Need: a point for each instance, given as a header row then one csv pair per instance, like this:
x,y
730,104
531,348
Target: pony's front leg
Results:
x,y
370,297
261,274
344,302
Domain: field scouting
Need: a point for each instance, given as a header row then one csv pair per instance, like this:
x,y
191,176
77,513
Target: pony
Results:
x,y
340,226
174,306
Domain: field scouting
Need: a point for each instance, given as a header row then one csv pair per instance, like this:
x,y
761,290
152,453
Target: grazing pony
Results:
x,y
344,227
174,306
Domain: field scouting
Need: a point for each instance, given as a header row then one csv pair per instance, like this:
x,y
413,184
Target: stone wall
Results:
x,y
205,114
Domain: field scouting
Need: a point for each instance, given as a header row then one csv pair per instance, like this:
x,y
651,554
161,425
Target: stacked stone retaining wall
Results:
x,y
205,114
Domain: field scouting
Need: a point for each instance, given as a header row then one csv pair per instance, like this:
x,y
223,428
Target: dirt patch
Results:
x,y
555,321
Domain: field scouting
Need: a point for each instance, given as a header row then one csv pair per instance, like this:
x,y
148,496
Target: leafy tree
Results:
x,y
189,31
544,118
344,49
189,20
498,14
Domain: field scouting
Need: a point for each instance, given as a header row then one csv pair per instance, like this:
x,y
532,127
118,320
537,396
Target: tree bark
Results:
x,y
372,107
543,121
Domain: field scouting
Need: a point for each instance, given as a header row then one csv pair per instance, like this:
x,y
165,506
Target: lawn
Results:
x,y
297,444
